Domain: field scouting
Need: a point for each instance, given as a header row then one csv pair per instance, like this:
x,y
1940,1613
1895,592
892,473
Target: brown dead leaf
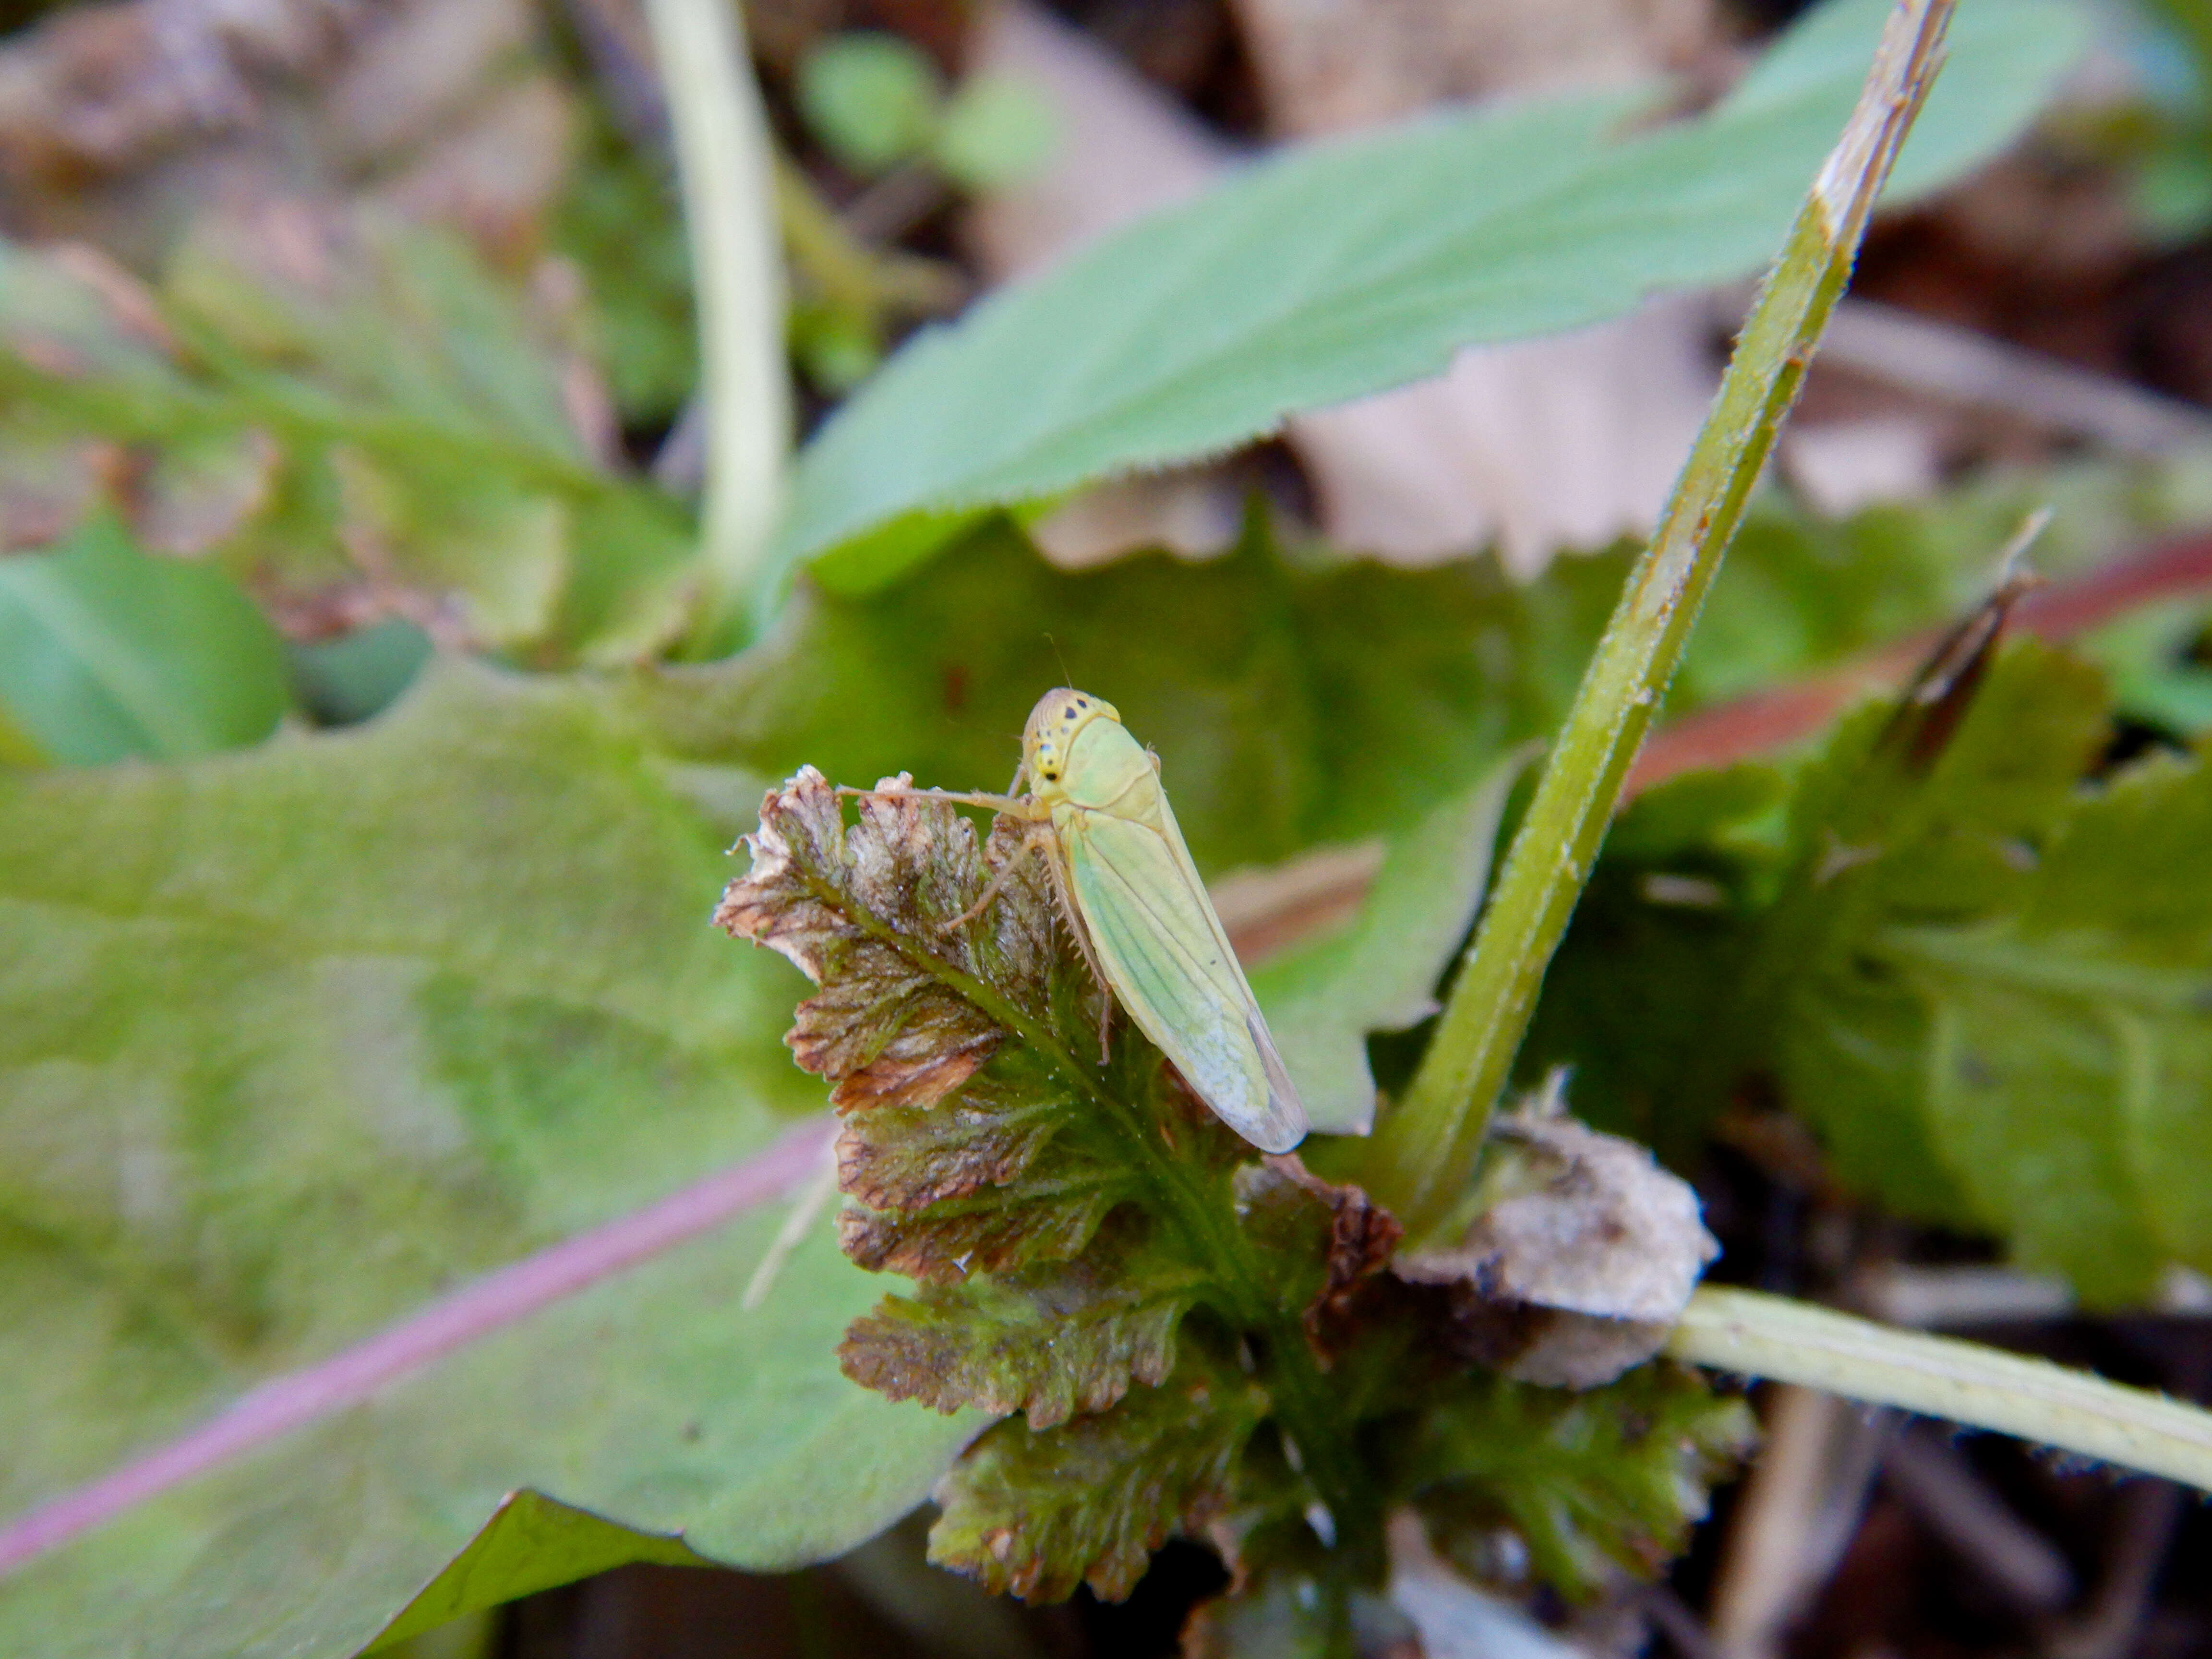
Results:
x,y
1580,1262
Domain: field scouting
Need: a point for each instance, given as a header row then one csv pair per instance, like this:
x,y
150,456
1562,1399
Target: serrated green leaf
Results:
x,y
1036,1220
290,1042
1874,845
1037,1513
1982,980
1048,1341
2069,1058
108,652
931,1030
1353,266
1590,1481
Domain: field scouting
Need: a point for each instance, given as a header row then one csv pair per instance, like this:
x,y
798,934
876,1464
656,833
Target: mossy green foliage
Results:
x,y
1971,954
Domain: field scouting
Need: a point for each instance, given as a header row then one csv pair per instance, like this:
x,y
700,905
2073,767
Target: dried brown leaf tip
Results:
x,y
861,910
1328,1242
963,1137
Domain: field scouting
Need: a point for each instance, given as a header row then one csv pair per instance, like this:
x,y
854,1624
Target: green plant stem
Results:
x,y
722,153
1199,1211
1772,1336
845,271
1425,1152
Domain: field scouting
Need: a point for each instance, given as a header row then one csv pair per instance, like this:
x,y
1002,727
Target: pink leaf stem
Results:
x,y
499,1299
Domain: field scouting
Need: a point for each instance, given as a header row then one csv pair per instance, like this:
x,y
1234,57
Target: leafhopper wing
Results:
x,y
1149,928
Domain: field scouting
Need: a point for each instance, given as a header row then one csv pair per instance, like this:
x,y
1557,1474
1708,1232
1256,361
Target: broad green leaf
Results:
x,y
1297,702
1349,267
530,1543
1379,972
107,652
294,1040
1281,719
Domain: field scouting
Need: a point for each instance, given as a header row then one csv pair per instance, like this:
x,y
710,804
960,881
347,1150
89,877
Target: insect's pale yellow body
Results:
x,y
1145,919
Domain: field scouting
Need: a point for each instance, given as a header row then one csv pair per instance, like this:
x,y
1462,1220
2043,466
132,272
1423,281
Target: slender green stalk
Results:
x,y
1771,1336
865,281
1424,1152
723,155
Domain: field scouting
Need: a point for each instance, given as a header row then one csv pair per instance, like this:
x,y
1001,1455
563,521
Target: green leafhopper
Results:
x,y
1134,900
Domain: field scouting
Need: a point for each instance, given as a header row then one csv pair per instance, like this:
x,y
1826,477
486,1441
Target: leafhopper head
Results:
x,y
1048,740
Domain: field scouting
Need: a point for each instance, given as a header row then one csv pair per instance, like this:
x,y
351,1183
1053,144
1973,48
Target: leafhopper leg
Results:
x,y
1014,806
1031,842
1073,918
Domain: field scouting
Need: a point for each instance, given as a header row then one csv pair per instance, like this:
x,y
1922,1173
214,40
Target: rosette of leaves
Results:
x,y
1178,1335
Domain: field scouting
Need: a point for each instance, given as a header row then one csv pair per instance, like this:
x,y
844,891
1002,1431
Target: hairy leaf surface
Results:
x,y
1593,1481
1048,1340
1038,1512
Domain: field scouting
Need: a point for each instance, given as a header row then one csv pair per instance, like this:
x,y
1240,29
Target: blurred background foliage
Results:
x,y
358,820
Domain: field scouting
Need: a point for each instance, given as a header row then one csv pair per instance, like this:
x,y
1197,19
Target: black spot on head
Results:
x,y
1050,776
1068,712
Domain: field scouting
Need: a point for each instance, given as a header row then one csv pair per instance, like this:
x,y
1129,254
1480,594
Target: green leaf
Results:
x,y
1589,1481
1282,718
108,652
997,131
1039,1512
531,1543
2068,1055
1047,1341
872,99
1982,980
1350,267
345,680
1379,973
1296,701
292,1041
1873,844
